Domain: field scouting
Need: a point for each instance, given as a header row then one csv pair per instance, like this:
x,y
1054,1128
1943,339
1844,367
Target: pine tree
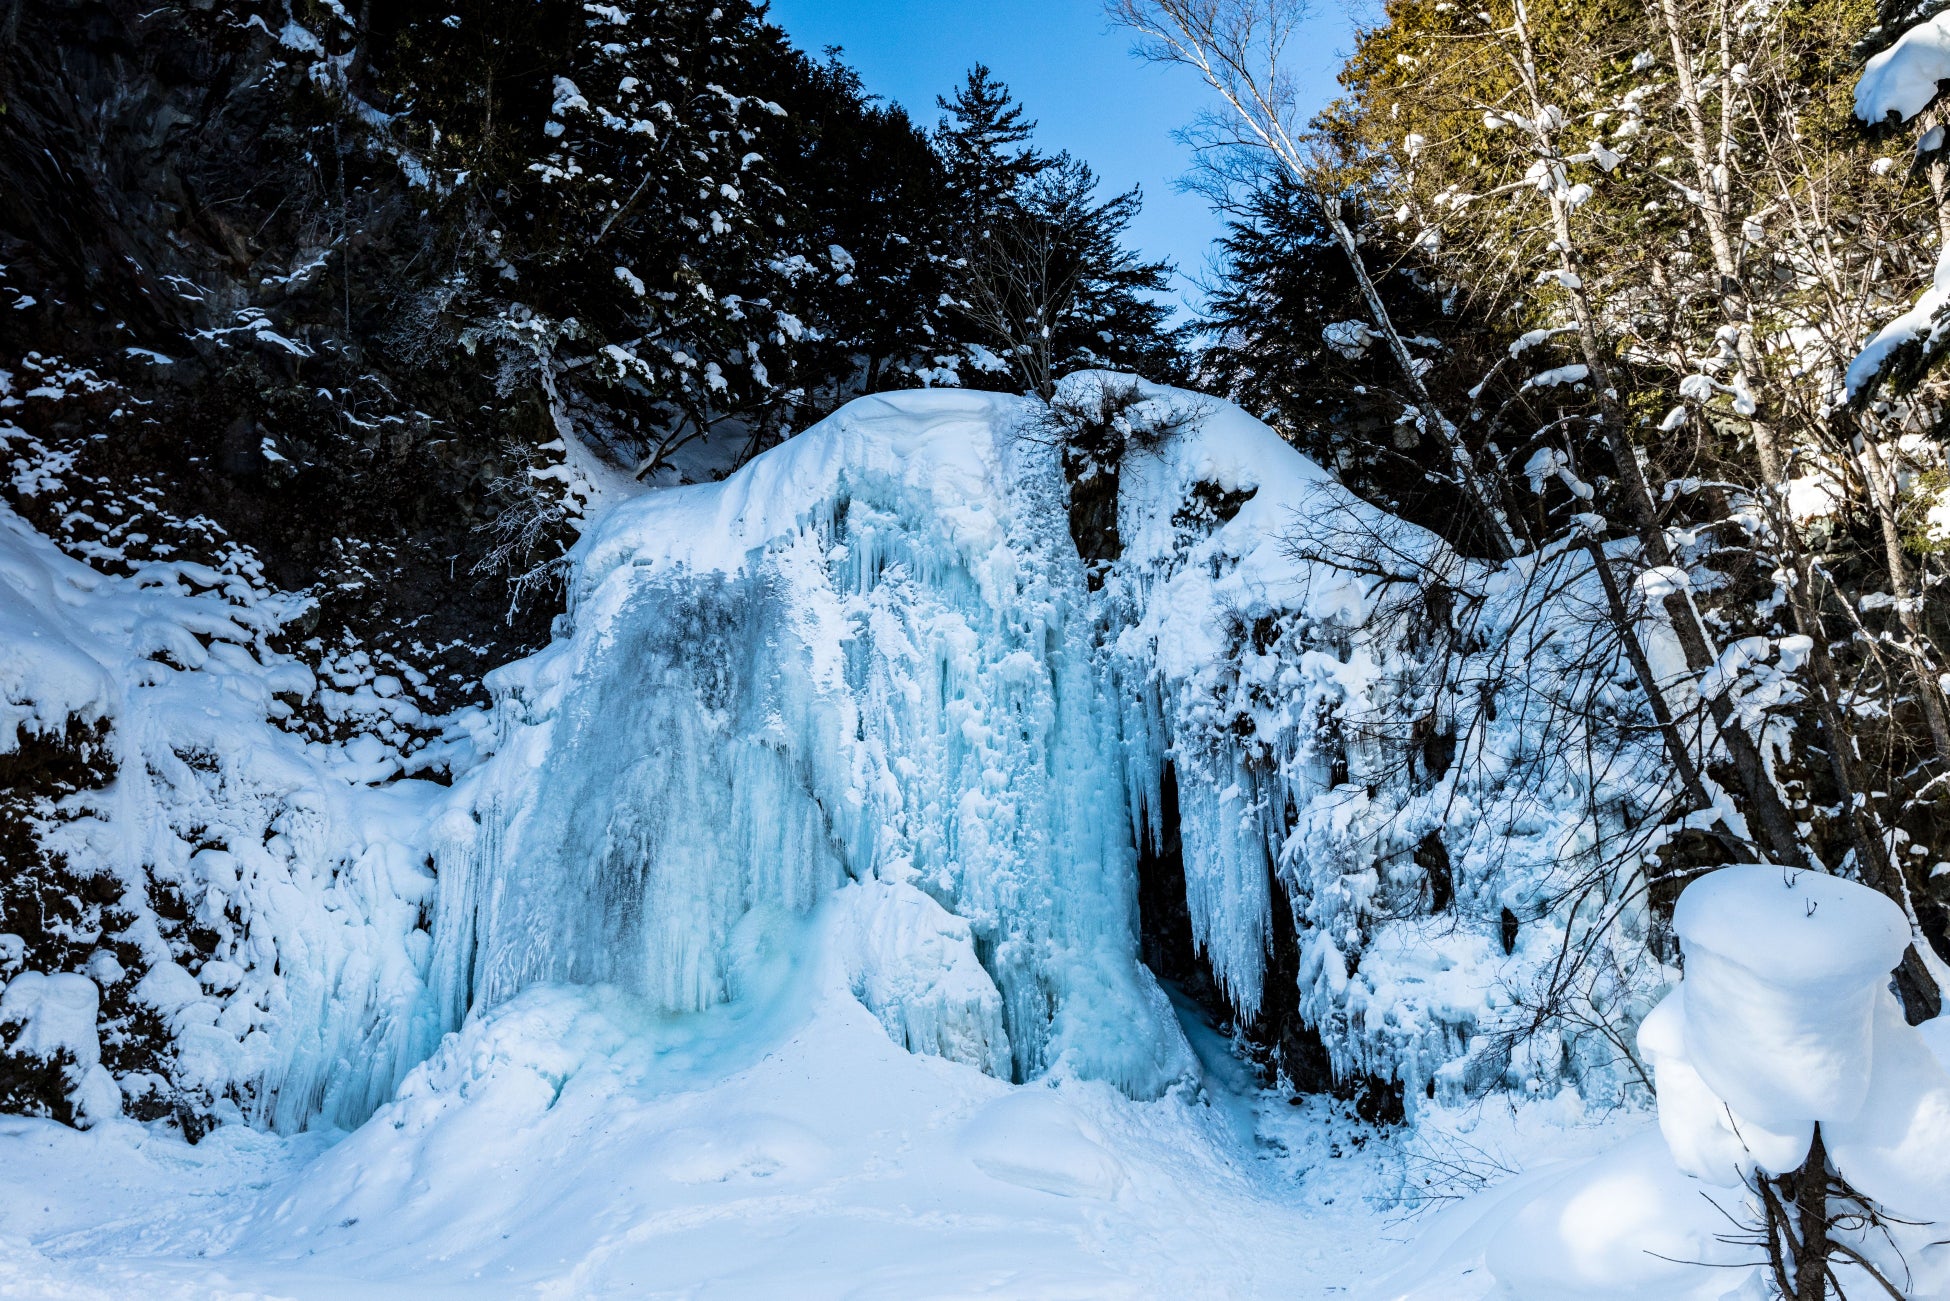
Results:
x,y
869,183
983,143
1290,341
1040,269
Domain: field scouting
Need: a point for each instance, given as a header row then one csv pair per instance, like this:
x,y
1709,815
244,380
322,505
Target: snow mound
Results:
x,y
1626,1227
1783,972
1902,80
582,1141
1030,1139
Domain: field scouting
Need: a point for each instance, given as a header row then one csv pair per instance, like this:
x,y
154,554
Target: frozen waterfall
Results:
x,y
872,664
869,656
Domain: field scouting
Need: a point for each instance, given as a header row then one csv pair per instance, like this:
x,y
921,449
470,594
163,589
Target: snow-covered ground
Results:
x,y
579,1145
575,1143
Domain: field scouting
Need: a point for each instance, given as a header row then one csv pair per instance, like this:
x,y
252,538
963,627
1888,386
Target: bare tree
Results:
x,y
1023,276
1239,47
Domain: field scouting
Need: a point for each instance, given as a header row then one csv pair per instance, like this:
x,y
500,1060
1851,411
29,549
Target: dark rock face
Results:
x,y
255,300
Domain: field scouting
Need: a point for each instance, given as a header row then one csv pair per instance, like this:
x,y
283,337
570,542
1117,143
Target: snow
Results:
x,y
1783,1020
778,932
912,963
1922,325
1030,1139
1703,1136
1903,78
55,1015
1892,1147
311,1001
46,678
576,1141
1627,1227
1783,972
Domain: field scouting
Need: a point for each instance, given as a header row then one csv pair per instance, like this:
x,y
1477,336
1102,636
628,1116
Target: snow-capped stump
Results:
x,y
1785,1020
1783,972
1699,1131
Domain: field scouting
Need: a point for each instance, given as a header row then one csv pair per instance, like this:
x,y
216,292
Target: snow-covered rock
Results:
x,y
1783,973
301,993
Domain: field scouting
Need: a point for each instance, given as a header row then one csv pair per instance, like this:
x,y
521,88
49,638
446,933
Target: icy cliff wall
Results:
x,y
1411,843
1010,714
875,655
870,656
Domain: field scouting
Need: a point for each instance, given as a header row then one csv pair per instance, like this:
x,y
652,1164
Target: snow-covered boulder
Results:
x,y
51,1020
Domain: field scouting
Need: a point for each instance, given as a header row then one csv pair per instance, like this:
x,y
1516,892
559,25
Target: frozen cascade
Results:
x,y
867,656
870,667
872,656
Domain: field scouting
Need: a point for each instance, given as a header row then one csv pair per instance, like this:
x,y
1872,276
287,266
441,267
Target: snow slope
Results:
x,y
577,1142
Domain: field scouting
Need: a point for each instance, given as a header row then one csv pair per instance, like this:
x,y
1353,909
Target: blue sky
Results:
x,y
1071,70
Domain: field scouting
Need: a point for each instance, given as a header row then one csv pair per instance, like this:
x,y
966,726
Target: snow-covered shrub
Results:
x,y
1782,1058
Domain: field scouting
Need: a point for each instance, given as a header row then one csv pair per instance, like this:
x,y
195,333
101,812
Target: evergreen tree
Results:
x,y
1115,318
1290,340
869,183
1039,266
984,143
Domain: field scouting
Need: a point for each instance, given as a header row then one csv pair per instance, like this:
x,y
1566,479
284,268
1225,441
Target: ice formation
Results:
x,y
872,667
874,655
297,872
867,656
